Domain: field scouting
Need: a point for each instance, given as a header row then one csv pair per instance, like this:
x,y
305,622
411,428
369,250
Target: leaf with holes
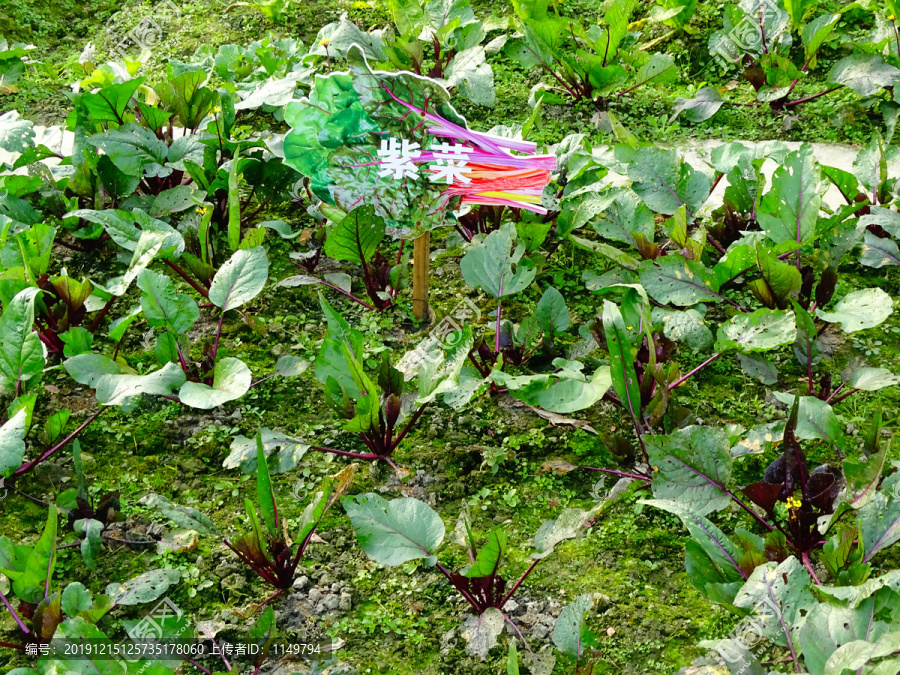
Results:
x,y
760,331
860,310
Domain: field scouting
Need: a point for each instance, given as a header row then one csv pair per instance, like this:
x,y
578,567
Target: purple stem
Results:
x,y
30,465
623,474
345,453
519,582
810,569
14,615
695,370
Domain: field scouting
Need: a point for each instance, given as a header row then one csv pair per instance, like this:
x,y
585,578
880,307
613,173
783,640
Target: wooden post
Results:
x,y
421,251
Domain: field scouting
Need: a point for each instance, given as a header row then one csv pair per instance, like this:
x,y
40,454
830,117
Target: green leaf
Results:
x,y
148,247
622,217
815,419
78,340
290,366
118,389
340,356
394,532
789,211
21,351
262,633
231,380
512,661
700,108
264,494
240,279
30,585
722,556
120,226
487,563
91,530
780,281
496,265
356,237
16,134
877,252
807,346
854,596
666,182
551,312
76,599
760,331
816,33
694,468
879,524
621,360
620,258
481,632
779,597
570,633
163,306
143,588
243,451
686,326
186,95
569,524
759,368
332,489
565,391
109,104
135,150
674,280
234,203
12,443
872,379
82,489
183,516
855,655
860,310
830,626
798,9
472,75
865,74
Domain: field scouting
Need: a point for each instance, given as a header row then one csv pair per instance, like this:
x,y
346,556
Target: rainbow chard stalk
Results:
x,y
394,141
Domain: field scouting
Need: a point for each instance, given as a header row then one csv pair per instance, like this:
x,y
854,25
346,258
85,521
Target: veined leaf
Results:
x,y
240,279
694,468
356,236
21,350
496,265
393,532
789,211
231,380
860,310
762,330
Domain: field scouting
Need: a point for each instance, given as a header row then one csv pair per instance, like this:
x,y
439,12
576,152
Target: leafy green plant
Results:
x,y
436,39
757,38
41,614
355,239
397,531
771,581
272,554
372,407
12,66
596,64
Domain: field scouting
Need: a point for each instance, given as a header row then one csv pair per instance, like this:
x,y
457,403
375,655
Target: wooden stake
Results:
x,y
421,257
